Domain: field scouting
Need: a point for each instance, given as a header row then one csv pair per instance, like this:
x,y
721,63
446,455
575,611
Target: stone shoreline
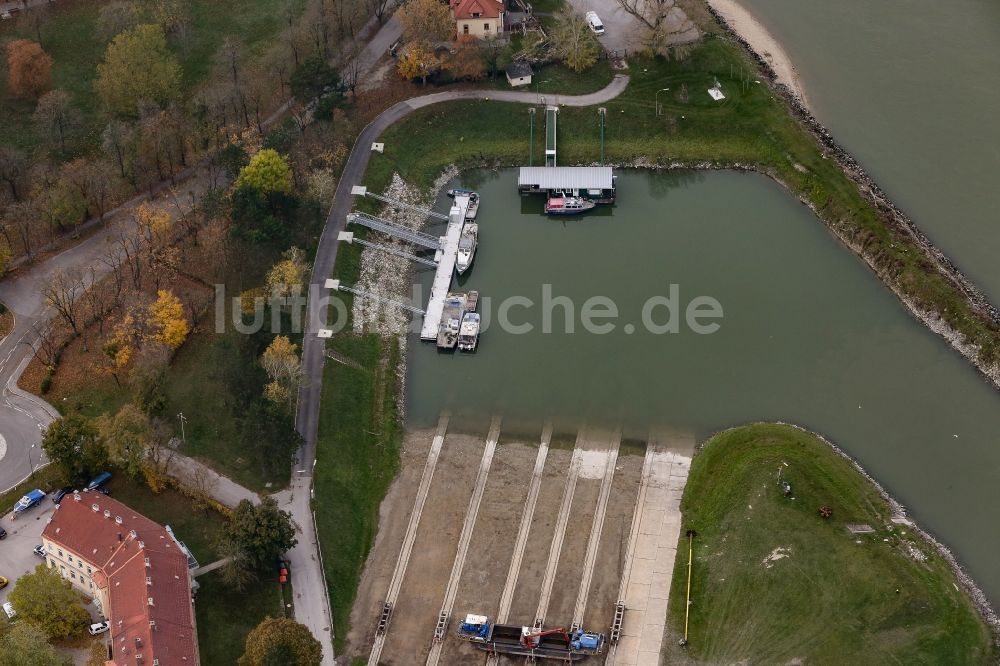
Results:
x,y
889,211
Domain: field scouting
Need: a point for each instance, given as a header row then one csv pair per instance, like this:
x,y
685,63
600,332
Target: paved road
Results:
x,y
23,534
307,420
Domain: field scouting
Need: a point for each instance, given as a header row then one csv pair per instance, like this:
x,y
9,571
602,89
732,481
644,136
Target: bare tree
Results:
x,y
64,293
46,347
377,8
13,169
664,23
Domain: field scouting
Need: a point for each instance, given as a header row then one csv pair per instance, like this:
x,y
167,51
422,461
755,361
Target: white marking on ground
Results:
x,y
777,554
593,464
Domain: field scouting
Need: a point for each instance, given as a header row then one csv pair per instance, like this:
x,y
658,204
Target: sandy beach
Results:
x,y
744,23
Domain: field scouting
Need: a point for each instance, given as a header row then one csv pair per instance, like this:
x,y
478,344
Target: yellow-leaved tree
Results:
x,y
167,322
418,61
288,276
281,362
138,65
267,172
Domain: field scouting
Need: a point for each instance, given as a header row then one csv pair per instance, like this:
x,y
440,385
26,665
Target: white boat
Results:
x,y
468,334
470,212
460,191
567,206
467,247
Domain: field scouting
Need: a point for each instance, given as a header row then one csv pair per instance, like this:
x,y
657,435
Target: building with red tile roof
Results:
x,y
479,18
137,573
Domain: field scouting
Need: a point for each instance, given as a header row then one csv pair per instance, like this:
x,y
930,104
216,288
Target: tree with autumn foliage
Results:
x,y
138,65
467,60
426,21
267,172
287,277
418,61
29,69
573,42
167,322
281,362
281,641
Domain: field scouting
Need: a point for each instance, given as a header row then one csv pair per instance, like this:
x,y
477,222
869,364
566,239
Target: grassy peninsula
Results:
x,y
775,582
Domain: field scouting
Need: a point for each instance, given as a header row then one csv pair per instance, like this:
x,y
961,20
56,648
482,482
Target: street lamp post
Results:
x,y
182,419
656,99
541,100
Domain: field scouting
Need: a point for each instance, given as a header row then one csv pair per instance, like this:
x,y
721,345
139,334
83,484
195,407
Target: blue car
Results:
x,y
99,480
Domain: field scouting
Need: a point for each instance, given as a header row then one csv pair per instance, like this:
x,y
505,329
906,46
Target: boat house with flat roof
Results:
x,y
594,183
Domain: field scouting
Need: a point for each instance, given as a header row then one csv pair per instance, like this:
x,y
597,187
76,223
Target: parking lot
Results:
x,y
23,534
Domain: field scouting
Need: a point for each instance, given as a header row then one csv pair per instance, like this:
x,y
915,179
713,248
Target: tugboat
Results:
x,y
467,247
567,206
468,334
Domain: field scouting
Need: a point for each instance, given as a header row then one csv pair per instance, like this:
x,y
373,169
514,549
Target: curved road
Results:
x,y
310,392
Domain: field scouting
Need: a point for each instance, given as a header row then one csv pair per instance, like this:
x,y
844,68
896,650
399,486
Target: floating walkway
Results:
x,y
445,253
551,114
448,255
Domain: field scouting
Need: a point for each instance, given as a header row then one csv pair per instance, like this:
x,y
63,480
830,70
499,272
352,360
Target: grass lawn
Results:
x,y
357,458
197,385
556,78
225,616
197,527
834,597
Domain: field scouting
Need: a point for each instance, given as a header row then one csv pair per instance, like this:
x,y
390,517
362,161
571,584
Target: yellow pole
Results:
x,y
687,607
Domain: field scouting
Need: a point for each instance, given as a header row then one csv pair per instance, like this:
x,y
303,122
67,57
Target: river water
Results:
x,y
912,89
808,335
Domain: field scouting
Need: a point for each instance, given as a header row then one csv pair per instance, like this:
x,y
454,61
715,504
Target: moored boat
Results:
x,y
567,206
468,334
459,191
467,247
473,208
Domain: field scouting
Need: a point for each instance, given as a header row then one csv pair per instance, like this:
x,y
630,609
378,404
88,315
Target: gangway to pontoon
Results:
x,y
336,286
384,226
551,113
349,237
396,203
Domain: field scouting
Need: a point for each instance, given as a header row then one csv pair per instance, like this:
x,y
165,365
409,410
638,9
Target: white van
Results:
x,y
8,608
595,23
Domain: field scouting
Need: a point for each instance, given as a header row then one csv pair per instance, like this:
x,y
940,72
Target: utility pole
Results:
x,y
182,419
531,136
602,112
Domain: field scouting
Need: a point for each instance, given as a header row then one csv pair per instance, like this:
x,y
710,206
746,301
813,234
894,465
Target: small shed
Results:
x,y
518,74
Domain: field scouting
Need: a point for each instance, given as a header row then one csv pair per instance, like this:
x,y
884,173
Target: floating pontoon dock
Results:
x,y
448,254
594,183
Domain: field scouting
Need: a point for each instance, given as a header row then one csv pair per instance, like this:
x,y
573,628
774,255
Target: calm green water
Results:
x,y
808,336
912,89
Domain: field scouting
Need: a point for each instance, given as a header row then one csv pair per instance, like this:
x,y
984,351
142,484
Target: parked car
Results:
x,y
594,21
99,480
3,582
8,608
28,501
98,628
39,550
58,495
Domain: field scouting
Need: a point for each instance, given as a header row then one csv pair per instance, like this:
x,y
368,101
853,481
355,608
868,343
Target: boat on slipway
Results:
x,y
567,206
467,247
